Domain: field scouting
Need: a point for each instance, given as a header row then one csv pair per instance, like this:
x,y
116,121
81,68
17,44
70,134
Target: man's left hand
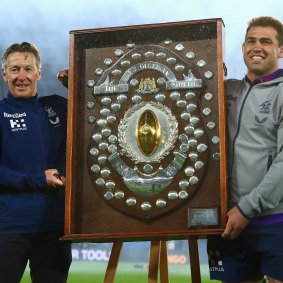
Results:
x,y
62,76
236,223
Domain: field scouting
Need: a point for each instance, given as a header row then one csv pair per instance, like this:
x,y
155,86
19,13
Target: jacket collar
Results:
x,y
22,102
275,75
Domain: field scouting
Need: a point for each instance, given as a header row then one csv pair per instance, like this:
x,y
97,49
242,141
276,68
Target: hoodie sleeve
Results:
x,y
269,192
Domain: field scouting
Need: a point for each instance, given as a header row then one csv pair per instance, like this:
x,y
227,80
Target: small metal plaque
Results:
x,y
203,217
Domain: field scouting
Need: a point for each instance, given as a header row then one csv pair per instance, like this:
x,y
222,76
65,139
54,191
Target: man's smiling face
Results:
x,y
21,74
261,51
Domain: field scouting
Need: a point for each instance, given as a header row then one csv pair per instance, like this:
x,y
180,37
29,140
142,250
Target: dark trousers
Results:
x,y
49,258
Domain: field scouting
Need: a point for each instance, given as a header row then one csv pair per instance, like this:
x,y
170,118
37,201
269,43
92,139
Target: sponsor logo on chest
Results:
x,y
17,121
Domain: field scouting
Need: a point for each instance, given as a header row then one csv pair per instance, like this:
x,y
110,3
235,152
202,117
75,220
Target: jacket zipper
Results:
x,y
239,126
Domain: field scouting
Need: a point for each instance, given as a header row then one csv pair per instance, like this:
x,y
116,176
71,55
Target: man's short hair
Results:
x,y
266,21
21,47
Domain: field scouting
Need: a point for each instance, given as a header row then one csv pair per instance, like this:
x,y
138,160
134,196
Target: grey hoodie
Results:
x,y
255,143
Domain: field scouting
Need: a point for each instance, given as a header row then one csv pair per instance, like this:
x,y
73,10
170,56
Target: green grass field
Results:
x,y
93,272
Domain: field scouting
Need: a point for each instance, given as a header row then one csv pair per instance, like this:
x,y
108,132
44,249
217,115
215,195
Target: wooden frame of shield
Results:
x,y
146,149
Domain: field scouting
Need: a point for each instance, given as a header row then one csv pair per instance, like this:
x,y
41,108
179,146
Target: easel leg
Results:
x,y
113,262
154,262
194,261
164,273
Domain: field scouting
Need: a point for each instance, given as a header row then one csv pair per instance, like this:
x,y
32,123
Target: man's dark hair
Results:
x,y
21,47
266,21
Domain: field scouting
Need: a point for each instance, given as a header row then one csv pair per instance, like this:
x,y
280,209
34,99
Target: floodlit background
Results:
x,y
47,25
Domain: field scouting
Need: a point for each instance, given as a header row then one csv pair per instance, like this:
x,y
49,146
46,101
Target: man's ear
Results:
x,y
39,74
243,45
281,51
4,75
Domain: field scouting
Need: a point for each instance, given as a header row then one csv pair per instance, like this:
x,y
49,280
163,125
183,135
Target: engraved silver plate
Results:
x,y
203,217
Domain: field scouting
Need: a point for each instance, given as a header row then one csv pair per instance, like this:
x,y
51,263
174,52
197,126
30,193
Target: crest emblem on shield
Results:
x,y
153,125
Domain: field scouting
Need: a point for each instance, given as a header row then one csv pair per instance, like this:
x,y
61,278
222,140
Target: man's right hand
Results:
x,y
53,179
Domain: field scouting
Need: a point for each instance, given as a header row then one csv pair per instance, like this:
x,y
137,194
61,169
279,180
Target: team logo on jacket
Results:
x,y
264,108
53,118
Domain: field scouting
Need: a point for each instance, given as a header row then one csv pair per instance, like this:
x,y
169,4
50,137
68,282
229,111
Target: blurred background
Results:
x,y
47,25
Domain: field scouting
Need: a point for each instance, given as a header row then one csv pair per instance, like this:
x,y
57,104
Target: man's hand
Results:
x,y
53,179
62,76
236,223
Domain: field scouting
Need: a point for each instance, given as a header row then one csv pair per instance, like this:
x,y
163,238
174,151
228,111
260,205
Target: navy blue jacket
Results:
x,y
32,140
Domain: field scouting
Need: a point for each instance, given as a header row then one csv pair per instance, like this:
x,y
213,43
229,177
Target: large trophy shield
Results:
x,y
146,147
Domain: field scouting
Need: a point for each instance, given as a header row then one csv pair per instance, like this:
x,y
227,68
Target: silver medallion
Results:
x,y
110,185
198,133
190,95
193,180
112,139
95,168
108,61
119,195
106,100
100,182
183,195
160,97
121,98
172,195
98,71
90,83
161,55
183,184
208,96
93,152
160,203
191,107
202,147
102,159
145,206
215,140
118,52
189,129
208,75
199,165
149,54
190,55
90,105
206,111
101,122
193,156
211,125
131,201
179,47
201,63
189,171
104,112
97,137
106,132
125,63
108,196
91,119
105,172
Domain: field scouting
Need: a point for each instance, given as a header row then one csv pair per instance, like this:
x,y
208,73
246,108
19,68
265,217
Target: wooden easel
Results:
x,y
158,262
